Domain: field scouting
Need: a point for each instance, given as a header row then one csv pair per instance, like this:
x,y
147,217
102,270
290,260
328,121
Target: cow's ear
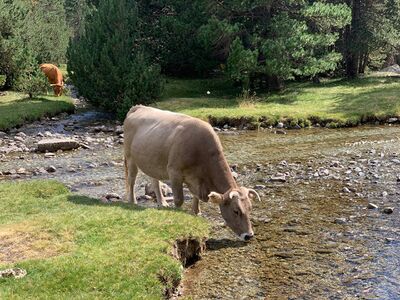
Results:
x,y
215,198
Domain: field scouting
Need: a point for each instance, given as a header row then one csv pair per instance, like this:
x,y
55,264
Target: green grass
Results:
x,y
350,101
16,109
74,247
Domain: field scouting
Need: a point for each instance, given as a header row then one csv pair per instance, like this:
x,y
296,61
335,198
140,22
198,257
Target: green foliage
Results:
x,y
2,81
29,80
276,40
242,63
169,31
37,27
108,64
45,30
76,14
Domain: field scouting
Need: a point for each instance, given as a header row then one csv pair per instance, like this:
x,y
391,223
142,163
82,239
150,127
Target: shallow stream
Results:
x,y
316,238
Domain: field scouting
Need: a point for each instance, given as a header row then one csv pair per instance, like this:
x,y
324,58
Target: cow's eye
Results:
x,y
236,212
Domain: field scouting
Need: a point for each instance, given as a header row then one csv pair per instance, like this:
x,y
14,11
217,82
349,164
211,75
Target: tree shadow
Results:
x,y
382,101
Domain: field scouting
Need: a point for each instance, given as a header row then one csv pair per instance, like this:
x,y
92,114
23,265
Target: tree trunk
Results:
x,y
275,83
352,55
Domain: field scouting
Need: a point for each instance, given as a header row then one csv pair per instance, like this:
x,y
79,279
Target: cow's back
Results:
x,y
52,73
155,139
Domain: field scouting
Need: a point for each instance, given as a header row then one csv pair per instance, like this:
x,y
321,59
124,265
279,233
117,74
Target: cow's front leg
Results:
x,y
157,189
196,206
177,185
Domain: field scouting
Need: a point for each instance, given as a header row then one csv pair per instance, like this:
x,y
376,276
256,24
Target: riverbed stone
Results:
x,y
165,190
51,169
49,155
280,125
388,210
280,132
372,206
278,178
52,145
340,221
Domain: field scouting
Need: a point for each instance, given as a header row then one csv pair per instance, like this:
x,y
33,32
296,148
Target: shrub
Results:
x,y
2,80
108,65
30,79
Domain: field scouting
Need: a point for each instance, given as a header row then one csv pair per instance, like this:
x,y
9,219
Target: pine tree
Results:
x,y
108,65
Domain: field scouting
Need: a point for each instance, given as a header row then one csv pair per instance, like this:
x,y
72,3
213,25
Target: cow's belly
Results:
x,y
151,157
153,170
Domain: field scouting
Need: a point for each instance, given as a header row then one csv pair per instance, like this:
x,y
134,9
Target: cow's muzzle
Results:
x,y
246,236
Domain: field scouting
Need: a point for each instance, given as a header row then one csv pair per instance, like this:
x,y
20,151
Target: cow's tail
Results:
x,y
126,176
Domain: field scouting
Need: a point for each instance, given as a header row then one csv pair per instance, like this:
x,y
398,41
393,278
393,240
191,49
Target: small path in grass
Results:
x,y
316,238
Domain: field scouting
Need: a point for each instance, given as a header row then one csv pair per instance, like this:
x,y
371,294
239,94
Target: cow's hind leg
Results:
x,y
157,189
177,187
131,171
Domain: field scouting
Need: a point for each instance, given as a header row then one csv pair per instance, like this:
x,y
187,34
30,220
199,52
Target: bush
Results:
x,y
30,79
108,65
3,79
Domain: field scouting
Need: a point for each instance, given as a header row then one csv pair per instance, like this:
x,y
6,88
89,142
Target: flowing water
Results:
x,y
316,238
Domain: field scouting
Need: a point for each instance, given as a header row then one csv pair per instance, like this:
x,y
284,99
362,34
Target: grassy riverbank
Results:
x,y
16,109
339,102
74,247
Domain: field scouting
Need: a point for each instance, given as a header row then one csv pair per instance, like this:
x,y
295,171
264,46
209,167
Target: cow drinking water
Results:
x,y
182,149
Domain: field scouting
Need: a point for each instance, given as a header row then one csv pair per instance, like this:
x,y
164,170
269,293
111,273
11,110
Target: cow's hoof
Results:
x,y
164,204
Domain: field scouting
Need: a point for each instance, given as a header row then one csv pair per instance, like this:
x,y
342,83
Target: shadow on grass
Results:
x,y
19,111
383,101
84,200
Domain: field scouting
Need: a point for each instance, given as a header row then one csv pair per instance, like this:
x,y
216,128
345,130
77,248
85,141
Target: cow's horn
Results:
x,y
251,191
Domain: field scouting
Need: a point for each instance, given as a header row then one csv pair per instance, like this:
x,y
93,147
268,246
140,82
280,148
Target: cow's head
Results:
x,y
58,89
235,208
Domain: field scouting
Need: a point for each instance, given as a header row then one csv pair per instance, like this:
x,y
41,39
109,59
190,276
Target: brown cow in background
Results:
x,y
54,76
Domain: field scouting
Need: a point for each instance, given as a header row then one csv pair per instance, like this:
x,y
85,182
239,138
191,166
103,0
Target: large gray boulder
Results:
x,y
52,145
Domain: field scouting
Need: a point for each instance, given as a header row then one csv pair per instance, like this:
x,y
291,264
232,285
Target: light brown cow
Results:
x,y
54,76
166,145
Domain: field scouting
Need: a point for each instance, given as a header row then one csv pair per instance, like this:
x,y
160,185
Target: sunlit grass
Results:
x,y
342,100
17,109
74,247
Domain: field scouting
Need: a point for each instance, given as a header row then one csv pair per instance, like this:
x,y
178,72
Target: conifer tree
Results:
x,y
108,65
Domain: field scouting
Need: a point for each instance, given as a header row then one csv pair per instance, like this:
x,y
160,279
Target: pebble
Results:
x,y
49,155
388,210
384,194
259,187
372,206
280,125
21,171
345,190
340,221
21,134
280,132
51,169
278,179
112,196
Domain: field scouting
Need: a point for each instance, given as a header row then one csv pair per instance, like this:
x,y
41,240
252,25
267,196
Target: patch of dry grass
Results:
x,y
27,240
